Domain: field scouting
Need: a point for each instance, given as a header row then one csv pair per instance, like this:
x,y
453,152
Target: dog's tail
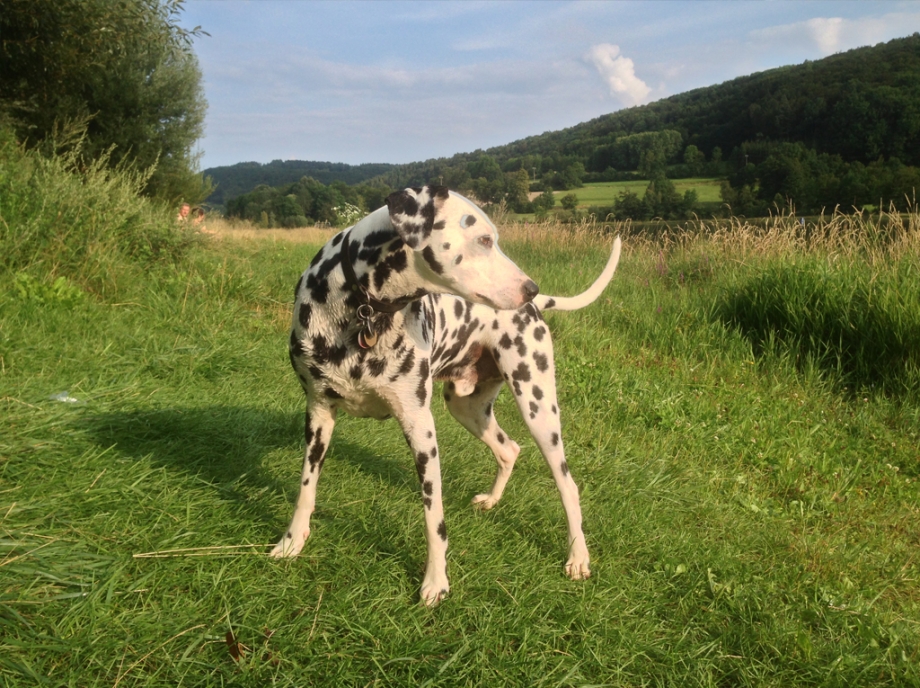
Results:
x,y
572,303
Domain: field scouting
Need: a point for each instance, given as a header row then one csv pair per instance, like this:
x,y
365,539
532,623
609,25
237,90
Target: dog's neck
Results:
x,y
378,268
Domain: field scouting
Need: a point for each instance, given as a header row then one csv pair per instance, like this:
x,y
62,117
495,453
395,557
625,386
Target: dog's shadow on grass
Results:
x,y
226,447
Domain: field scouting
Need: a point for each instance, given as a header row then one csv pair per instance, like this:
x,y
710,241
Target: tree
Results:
x,y
545,201
569,201
694,159
124,70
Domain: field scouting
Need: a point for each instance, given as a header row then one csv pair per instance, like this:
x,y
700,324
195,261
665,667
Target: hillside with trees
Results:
x,y
841,131
234,180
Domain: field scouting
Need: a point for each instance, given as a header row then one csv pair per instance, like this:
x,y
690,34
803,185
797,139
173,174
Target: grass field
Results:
x,y
605,193
750,493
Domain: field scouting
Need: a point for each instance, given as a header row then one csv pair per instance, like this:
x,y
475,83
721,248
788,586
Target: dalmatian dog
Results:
x,y
415,292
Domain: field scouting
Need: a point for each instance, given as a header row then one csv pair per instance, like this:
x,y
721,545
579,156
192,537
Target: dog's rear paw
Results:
x,y
290,545
434,590
484,501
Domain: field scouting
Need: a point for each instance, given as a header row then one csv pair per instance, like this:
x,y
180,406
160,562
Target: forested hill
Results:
x,y
233,180
860,104
839,132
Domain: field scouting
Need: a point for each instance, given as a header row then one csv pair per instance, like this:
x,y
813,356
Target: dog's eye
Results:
x,y
486,240
467,221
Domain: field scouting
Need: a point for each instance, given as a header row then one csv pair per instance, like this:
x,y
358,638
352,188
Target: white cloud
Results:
x,y
835,34
619,73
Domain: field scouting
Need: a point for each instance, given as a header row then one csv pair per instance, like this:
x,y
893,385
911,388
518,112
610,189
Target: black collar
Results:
x,y
352,284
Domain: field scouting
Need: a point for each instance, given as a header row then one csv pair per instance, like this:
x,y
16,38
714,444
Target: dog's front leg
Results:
x,y
318,426
420,434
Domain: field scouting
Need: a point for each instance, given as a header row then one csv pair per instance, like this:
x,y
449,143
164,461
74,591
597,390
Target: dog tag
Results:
x,y
366,341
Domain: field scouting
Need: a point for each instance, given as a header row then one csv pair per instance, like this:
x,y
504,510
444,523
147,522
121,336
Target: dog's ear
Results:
x,y
413,212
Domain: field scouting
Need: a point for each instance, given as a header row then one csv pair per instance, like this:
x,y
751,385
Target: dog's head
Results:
x,y
455,246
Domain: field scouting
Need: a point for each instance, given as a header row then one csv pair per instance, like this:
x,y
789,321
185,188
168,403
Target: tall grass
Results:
x,y
62,216
840,292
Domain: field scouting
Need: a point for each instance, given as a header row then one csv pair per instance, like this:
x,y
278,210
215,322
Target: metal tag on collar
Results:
x,y
367,336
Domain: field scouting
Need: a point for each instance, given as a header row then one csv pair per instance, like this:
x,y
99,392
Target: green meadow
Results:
x,y
604,194
740,410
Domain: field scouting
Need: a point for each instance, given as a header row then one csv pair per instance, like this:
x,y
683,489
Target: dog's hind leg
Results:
x,y
531,375
474,412
318,426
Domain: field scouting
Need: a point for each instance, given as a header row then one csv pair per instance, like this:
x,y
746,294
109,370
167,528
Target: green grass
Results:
x,y
752,518
605,193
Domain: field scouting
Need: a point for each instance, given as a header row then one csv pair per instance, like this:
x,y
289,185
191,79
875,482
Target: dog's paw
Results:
x,y
484,501
290,545
434,589
577,567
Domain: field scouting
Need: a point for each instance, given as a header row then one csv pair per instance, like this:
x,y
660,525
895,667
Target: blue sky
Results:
x,y
398,82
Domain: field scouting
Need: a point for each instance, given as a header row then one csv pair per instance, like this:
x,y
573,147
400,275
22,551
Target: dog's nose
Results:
x,y
530,290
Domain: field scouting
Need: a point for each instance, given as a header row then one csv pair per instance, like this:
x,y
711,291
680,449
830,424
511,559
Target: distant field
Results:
x,y
605,193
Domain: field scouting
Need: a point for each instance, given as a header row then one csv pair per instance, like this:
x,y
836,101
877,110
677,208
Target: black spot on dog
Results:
x,y
427,487
428,255
288,535
316,453
534,408
434,450
521,347
541,360
539,332
521,373
537,393
316,259
337,354
554,409
500,436
440,224
307,430
446,246
421,460
550,303
488,409
447,397
379,237
564,467
319,288
306,481
458,309
355,372
316,372
442,531
505,342
457,260
376,366
332,394
554,438
422,391
427,502
407,363
370,255
429,435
